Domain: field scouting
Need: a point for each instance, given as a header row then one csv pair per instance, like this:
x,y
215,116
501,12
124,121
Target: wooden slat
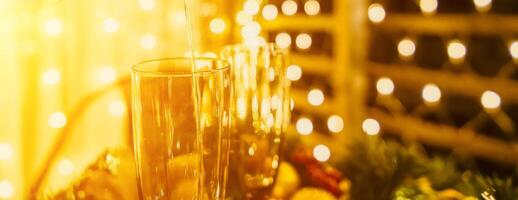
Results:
x,y
447,24
442,136
313,64
300,23
470,85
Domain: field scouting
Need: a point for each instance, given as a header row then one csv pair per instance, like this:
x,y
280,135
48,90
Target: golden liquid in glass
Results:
x,y
181,131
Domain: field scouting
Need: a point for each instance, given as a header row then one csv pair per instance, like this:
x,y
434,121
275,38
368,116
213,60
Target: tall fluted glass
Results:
x,y
260,116
181,127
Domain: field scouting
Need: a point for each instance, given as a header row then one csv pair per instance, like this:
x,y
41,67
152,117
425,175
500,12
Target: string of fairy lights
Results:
x,y
456,51
249,19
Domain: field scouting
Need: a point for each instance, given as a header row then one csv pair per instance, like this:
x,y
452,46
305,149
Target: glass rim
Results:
x,y
135,68
241,46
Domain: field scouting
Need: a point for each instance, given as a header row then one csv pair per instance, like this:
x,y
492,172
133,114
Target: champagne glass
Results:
x,y
260,116
181,128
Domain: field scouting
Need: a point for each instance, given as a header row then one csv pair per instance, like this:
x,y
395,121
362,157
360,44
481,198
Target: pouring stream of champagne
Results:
x,y
196,97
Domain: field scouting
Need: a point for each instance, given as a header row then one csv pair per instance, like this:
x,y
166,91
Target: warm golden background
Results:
x,y
441,73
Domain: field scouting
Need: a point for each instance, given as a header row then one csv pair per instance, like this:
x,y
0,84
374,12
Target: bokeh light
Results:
x,y
312,7
428,7
51,77
316,97
289,7
251,7
406,47
304,126
53,26
148,41
294,72
283,40
490,100
371,127
257,41
6,189
303,41
146,5
6,151
482,5
242,18
251,30
456,51
270,12
335,124
217,25
57,120
117,108
513,49
110,25
178,19
385,86
65,167
107,74
431,93
376,13
321,153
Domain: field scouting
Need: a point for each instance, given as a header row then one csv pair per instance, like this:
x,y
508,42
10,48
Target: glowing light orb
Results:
x,y
51,77
217,26
270,12
251,7
250,30
53,26
335,124
312,7
6,151
294,72
321,153
57,120
428,7
110,25
303,41
513,49
406,47
304,126
371,127
148,41
316,97
490,100
376,13
283,40
146,5
117,108
456,51
107,74
431,93
65,167
6,189
289,7
242,18
482,5
385,86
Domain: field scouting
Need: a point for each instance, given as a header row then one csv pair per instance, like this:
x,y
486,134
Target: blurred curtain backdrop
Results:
x,y
55,52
